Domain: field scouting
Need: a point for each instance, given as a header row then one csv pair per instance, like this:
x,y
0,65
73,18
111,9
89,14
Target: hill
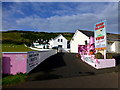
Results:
x,y
27,37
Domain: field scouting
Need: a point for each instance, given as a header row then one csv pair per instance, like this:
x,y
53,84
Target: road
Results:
x,y
65,70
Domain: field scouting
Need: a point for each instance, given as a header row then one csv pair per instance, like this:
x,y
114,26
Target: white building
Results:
x,y
41,46
58,41
81,37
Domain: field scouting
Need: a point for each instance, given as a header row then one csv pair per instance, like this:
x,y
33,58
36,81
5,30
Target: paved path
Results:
x,y
64,70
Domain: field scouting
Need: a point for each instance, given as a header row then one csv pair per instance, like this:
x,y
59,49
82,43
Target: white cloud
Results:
x,y
67,23
60,23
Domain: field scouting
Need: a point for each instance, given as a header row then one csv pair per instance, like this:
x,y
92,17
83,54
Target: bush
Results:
x,y
109,55
98,55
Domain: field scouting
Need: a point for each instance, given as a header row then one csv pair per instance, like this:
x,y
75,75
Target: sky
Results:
x,y
58,16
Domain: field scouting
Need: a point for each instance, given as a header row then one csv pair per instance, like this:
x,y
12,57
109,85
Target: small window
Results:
x,y
58,40
85,42
61,40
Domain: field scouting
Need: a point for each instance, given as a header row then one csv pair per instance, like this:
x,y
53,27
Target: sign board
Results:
x,y
88,58
32,60
100,35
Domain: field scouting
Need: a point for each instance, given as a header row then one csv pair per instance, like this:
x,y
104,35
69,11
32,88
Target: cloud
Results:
x,y
60,17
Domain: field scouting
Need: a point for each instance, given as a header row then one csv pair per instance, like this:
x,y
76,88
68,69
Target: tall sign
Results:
x,y
100,35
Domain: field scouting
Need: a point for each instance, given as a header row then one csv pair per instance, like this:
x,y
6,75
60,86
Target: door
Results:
x,y
60,46
6,65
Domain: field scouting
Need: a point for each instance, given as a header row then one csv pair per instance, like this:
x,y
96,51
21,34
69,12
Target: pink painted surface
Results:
x,y
90,59
13,63
105,63
85,49
91,41
99,63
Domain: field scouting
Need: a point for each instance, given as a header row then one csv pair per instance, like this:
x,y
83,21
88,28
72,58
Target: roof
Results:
x,y
110,36
87,33
59,36
113,36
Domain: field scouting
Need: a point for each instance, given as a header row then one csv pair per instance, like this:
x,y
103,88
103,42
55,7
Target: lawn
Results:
x,y
15,48
14,79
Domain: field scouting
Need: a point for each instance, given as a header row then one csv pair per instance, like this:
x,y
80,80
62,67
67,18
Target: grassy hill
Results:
x,y
13,41
15,48
26,37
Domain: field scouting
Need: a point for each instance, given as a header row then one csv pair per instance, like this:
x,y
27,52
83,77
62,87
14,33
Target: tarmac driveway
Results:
x,y
63,69
64,65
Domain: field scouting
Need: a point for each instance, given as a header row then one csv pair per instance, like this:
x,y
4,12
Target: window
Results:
x,y
85,42
58,40
61,40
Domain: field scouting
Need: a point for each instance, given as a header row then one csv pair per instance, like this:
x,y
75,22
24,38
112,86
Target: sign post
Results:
x,y
100,36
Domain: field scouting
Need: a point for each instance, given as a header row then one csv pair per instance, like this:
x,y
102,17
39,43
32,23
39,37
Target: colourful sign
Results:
x,y
100,35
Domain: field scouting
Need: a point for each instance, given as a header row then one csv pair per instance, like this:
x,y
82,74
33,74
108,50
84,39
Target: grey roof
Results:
x,y
110,36
88,33
58,36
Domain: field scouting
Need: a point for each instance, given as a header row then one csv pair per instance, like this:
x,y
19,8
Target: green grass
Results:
x,y
14,79
15,48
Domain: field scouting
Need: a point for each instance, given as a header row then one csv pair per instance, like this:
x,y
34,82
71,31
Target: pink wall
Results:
x,y
13,63
98,63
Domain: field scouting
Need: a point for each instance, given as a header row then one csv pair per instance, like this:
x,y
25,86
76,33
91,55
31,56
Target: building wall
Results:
x,y
23,62
113,46
55,43
36,44
78,39
63,43
51,43
110,47
13,63
35,58
117,46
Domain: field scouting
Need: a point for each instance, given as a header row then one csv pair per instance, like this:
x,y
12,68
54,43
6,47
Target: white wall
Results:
x,y
110,47
117,46
36,44
78,39
40,46
36,57
55,43
63,43
113,47
51,43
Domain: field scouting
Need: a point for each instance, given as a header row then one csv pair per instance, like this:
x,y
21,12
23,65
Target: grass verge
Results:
x,y
14,79
15,48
